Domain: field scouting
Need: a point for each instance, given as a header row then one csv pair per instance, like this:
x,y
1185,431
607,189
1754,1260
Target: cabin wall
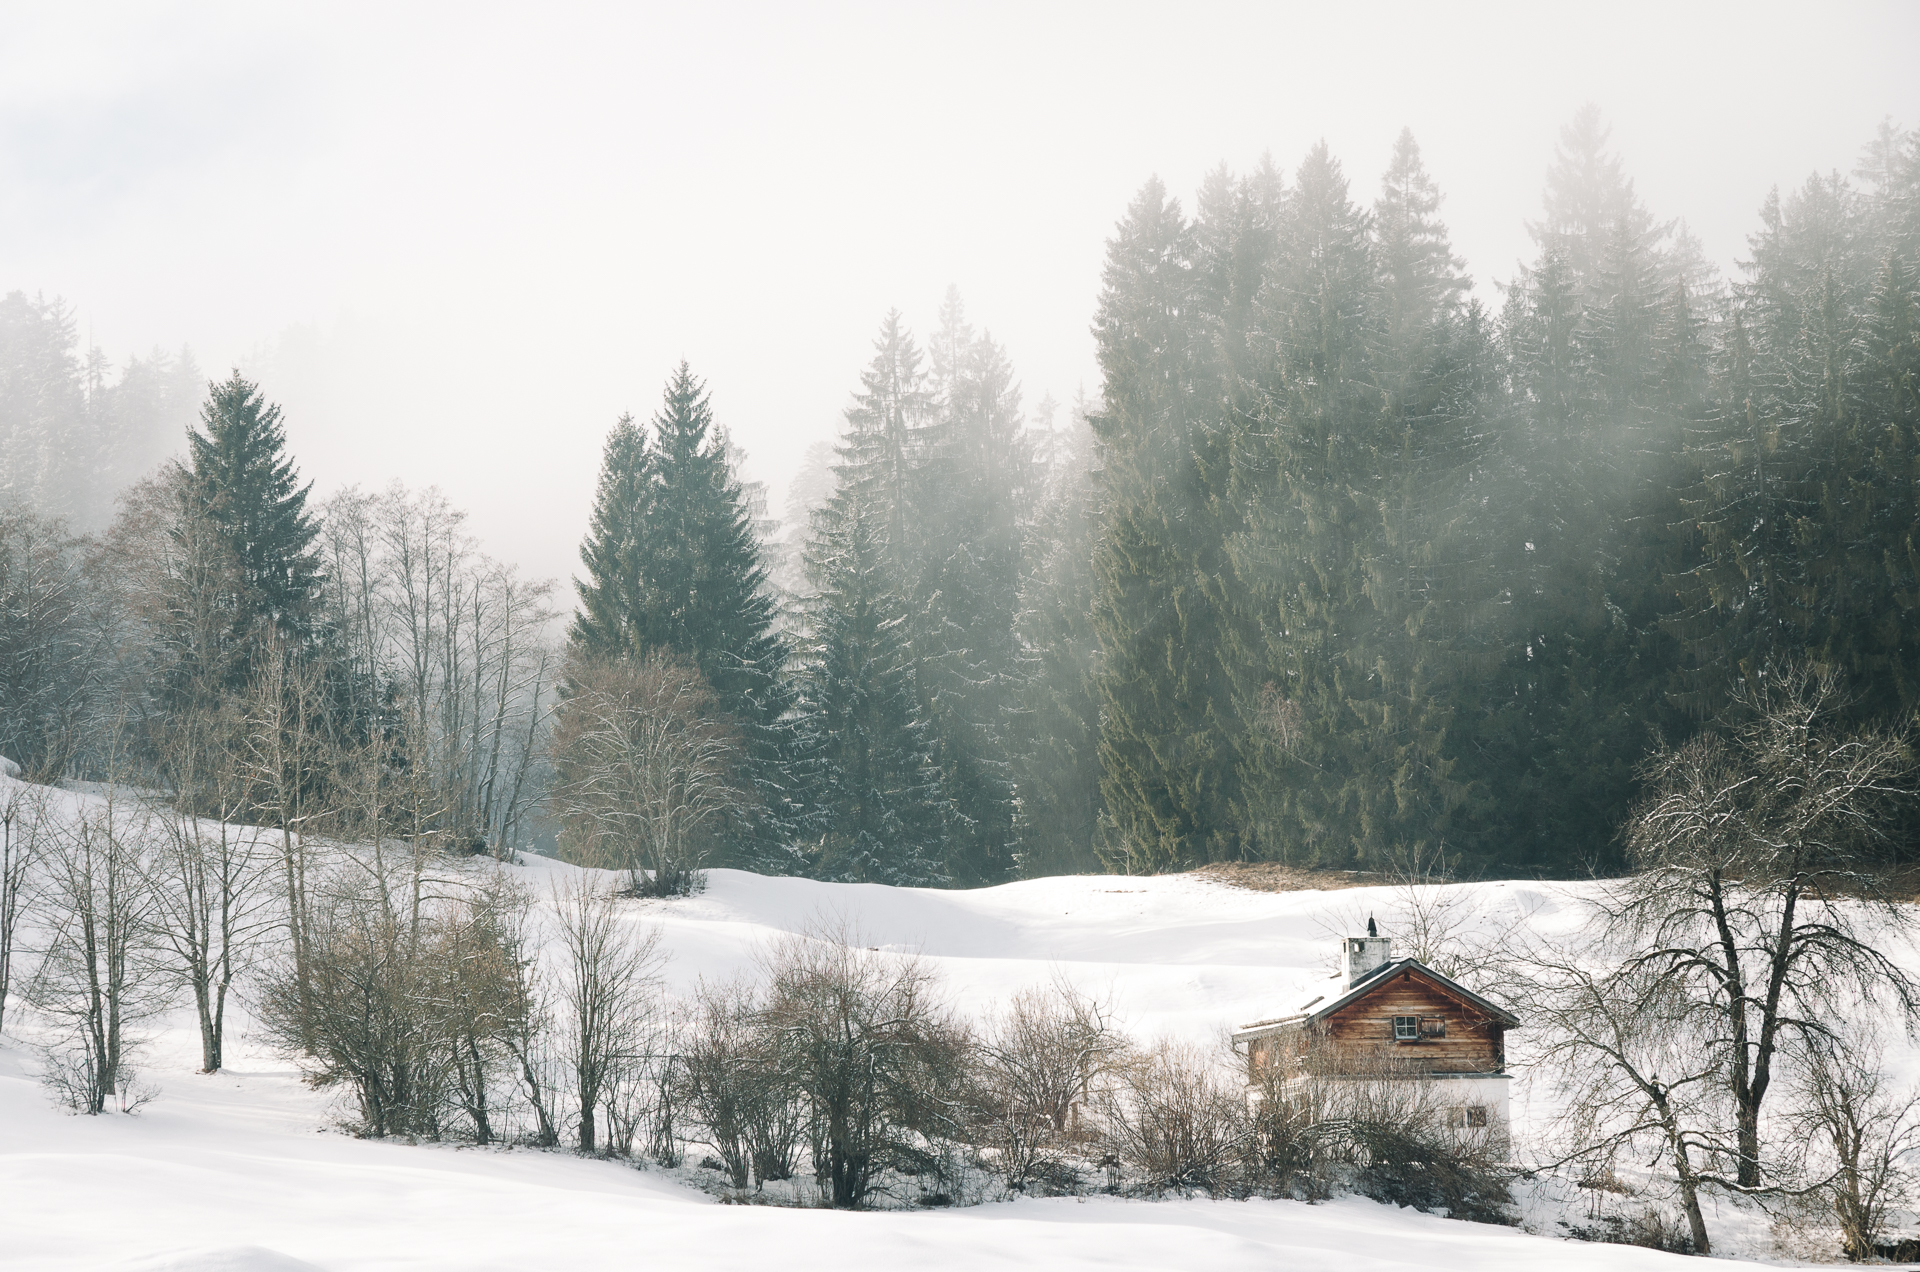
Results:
x,y
1472,1043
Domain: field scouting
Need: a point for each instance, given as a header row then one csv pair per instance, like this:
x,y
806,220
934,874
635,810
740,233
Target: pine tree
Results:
x,y
1168,724
612,595
1057,732
977,483
243,483
1310,467
673,563
876,802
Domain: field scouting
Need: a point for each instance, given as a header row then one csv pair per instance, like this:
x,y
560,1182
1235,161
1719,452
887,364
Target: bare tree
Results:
x,y
207,874
874,1050
1039,1063
1619,1047
1757,888
1862,1132
607,989
95,981
645,767
23,814
527,1032
284,733
451,644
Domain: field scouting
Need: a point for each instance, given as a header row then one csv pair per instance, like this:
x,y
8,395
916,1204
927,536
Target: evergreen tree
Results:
x,y
876,800
1057,732
242,482
977,489
673,563
884,451
1589,200
1421,282
46,450
1309,465
1168,724
612,596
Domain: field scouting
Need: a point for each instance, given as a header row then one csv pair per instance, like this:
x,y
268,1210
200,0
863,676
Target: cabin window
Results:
x,y
1406,1028
1470,1115
1433,1026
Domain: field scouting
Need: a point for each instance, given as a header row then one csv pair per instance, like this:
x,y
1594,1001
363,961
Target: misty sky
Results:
x,y
457,241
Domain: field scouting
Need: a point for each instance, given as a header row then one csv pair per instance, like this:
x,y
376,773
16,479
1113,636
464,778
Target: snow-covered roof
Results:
x,y
1323,1006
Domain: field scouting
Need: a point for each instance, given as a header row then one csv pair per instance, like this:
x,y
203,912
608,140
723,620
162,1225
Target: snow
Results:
x,y
243,1171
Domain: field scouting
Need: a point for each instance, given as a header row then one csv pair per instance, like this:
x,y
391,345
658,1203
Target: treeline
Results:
x,y
1342,569
353,669
74,432
1379,571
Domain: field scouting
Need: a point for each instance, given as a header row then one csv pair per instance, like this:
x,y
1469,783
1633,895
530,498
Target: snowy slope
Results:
x,y
236,1172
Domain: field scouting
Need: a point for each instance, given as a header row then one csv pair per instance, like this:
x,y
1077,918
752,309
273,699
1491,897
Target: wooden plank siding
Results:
x,y
1474,1043
1455,1035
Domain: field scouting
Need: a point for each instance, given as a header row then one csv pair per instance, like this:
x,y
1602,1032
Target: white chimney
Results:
x,y
1360,955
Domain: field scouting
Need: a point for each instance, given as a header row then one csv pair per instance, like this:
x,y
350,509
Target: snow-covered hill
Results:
x,y
238,1171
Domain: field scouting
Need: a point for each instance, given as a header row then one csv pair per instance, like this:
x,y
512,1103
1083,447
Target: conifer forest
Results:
x,y
1340,565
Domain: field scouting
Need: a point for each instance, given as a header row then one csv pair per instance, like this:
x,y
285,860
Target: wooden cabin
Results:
x,y
1387,1019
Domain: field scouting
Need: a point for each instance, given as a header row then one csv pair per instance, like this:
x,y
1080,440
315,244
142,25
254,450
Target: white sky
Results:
x,y
456,241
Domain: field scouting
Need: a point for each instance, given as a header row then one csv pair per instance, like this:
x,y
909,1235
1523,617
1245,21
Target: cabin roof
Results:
x,y
1324,1006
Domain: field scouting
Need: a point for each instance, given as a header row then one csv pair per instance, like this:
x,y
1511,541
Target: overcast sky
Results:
x,y
457,241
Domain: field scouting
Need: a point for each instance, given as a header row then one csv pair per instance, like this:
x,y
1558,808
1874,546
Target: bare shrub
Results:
x,y
1326,1118
479,988
1038,1066
358,1001
645,770
720,1074
863,1035
1178,1117
412,993
1865,1137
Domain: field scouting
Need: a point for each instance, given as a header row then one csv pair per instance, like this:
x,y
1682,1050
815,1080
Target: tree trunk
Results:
x,y
1697,1222
209,1035
1747,1123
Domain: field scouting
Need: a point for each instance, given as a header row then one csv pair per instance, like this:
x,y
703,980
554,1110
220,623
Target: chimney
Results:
x,y
1362,955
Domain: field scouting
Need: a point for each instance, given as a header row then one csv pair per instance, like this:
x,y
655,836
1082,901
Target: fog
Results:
x,y
457,242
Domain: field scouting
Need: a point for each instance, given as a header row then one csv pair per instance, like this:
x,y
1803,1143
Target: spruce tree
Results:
x,y
241,481
673,564
883,456
876,803
611,596
977,490
1310,465
1169,729
1057,729
1421,280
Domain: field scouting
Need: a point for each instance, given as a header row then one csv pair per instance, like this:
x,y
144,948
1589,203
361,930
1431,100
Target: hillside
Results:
x,y
244,1170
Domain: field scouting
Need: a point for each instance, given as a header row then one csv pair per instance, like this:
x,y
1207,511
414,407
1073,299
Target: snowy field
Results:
x,y
244,1171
